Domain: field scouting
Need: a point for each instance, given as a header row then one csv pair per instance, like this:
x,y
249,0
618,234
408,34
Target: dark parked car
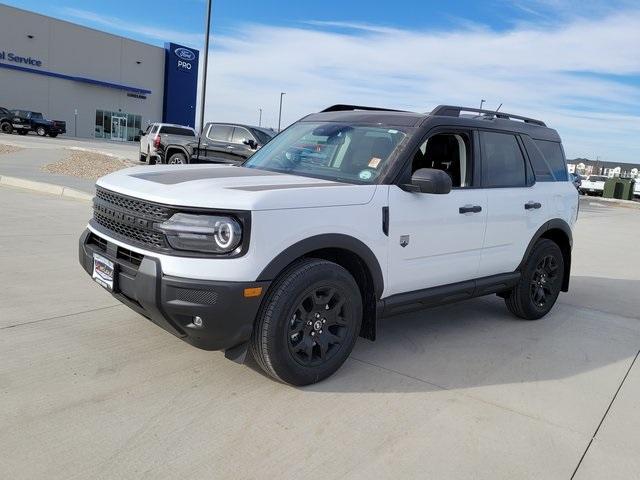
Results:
x,y
219,143
25,121
5,120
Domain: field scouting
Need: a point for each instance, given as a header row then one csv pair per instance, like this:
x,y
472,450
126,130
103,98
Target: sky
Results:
x,y
573,64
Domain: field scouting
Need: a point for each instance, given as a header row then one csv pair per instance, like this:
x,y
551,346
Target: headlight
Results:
x,y
202,233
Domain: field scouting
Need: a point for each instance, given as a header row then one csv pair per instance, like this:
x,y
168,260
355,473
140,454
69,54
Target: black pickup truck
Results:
x,y
25,121
219,143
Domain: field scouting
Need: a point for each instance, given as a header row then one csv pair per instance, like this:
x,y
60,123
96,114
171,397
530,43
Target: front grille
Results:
x,y
131,219
146,237
134,206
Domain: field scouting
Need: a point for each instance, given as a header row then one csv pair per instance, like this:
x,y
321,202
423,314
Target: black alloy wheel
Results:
x,y
318,326
544,283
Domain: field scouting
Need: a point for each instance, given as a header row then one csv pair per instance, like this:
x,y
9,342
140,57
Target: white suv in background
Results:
x,y
150,137
347,216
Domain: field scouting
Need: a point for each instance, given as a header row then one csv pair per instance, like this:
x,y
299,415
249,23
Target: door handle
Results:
x,y
470,209
532,205
230,146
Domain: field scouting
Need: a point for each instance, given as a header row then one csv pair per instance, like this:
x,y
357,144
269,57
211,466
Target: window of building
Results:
x,y
502,160
117,125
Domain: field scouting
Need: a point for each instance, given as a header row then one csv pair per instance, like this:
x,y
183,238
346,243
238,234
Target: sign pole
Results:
x,y
203,87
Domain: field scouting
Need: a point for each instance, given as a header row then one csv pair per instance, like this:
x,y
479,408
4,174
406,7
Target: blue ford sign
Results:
x,y
185,54
180,84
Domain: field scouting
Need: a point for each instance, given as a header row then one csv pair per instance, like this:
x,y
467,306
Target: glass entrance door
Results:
x,y
119,128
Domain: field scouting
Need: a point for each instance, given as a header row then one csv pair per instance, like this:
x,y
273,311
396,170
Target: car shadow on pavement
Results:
x,y
478,343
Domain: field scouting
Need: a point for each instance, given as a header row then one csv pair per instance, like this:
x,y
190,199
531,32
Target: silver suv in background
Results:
x,y
150,139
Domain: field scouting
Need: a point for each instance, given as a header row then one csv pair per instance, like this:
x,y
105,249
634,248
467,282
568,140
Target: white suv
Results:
x,y
348,216
151,136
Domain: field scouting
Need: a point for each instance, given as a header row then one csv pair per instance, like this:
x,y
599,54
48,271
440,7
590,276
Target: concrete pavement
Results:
x,y
89,389
125,150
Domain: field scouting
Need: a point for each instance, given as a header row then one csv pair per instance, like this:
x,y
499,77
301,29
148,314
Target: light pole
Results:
x,y
260,118
203,88
282,94
482,103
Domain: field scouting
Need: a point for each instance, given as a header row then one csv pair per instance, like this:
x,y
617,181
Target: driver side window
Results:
x,y
450,152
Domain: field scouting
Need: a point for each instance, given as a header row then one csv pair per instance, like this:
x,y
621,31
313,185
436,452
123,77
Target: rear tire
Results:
x,y
177,159
6,127
41,131
540,283
308,322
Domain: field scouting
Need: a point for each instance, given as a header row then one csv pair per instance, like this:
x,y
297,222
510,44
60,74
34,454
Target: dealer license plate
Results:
x,y
103,271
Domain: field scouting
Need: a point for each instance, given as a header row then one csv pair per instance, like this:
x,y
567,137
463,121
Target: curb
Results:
x,y
615,201
43,187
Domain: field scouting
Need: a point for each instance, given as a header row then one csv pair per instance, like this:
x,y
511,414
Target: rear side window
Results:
x,y
541,168
220,133
554,156
177,131
502,160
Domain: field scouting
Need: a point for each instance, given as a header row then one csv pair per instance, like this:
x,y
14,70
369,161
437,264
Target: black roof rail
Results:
x,y
347,108
452,111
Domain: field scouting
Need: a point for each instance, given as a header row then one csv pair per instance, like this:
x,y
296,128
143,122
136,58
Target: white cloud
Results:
x,y
156,34
530,70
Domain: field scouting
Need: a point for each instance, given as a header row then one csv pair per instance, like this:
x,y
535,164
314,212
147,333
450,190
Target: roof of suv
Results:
x,y
454,116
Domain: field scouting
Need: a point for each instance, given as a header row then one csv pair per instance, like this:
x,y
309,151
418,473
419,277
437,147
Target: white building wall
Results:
x,y
74,50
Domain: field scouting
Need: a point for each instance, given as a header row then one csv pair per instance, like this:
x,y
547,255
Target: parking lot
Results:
x,y
89,389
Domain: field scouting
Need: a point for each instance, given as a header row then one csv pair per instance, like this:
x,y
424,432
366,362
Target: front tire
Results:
x,y
540,283
6,127
41,131
309,322
177,159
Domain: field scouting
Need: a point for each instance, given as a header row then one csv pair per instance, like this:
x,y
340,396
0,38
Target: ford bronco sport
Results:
x,y
347,216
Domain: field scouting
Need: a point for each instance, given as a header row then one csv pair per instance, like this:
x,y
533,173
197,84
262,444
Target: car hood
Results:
x,y
233,188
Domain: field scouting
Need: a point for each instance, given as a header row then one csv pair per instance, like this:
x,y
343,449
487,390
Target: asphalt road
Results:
x,y
89,389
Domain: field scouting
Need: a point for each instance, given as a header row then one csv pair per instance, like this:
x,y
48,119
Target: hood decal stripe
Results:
x,y
173,177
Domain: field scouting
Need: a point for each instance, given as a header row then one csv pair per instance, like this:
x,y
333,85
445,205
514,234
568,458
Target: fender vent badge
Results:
x,y
404,240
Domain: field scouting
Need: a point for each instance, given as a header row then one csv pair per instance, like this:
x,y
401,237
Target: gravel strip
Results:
x,y
87,165
8,149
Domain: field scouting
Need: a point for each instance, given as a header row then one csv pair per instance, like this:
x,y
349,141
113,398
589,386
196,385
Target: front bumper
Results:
x,y
172,302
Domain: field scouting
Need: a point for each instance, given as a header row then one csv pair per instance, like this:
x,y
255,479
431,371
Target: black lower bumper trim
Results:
x,y
172,303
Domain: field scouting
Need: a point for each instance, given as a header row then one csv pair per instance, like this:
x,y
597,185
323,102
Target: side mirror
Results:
x,y
140,133
251,144
430,180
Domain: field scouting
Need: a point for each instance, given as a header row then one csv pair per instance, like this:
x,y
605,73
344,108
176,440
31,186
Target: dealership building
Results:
x,y
102,85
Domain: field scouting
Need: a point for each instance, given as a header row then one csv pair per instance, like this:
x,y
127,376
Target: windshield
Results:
x,y
332,151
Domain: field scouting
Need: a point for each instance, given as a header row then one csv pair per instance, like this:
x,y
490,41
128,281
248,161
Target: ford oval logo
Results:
x,y
185,54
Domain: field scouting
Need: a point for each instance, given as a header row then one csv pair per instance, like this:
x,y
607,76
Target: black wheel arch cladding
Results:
x,y
324,242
